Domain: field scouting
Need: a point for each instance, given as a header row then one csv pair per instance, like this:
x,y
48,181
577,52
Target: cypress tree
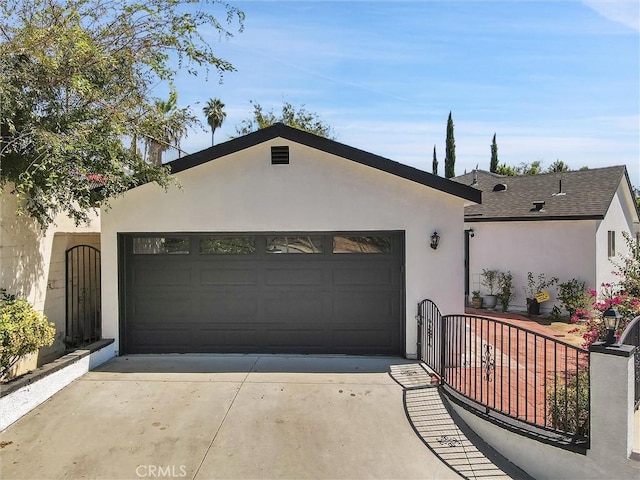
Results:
x,y
450,151
494,155
434,165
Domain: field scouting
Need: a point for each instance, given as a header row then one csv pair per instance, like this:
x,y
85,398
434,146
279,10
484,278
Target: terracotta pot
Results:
x,y
476,302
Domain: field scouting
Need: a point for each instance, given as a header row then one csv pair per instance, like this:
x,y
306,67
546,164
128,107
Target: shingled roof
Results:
x,y
575,195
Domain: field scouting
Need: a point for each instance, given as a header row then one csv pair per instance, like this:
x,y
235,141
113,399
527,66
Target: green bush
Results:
x,y
568,404
23,330
505,289
573,295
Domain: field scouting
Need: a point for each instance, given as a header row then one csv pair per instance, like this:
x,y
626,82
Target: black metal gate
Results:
x,y
83,303
430,335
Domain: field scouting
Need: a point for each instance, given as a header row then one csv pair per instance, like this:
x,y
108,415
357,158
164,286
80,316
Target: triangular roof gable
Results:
x,y
587,194
326,145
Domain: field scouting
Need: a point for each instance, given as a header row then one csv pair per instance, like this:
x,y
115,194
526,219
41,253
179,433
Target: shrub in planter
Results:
x,y
476,299
568,404
490,282
505,289
535,286
23,330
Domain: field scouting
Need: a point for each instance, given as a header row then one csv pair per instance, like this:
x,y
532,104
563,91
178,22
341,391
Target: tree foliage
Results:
x,y
558,166
166,124
434,164
214,111
494,155
524,168
450,151
76,82
296,117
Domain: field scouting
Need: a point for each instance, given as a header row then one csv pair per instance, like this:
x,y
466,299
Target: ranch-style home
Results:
x,y
281,241
566,224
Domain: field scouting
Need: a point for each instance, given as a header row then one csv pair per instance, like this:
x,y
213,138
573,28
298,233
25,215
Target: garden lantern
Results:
x,y
611,318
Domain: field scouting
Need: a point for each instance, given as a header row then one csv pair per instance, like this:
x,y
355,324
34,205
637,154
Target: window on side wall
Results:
x,y
611,243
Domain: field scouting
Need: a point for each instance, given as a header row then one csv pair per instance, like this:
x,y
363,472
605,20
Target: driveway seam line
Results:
x,y
224,418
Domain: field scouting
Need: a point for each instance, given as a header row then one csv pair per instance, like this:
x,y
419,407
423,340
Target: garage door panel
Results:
x,y
365,307
228,276
158,275
294,277
358,338
228,306
261,302
295,337
158,310
363,276
294,308
228,336
162,338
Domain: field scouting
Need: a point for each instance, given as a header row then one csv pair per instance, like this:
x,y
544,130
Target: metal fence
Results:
x,y
631,336
503,370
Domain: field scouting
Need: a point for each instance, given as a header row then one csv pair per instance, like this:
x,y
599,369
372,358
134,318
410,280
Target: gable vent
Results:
x,y
500,187
280,155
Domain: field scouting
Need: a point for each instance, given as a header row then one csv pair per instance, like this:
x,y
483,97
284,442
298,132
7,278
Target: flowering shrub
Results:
x,y
624,296
627,305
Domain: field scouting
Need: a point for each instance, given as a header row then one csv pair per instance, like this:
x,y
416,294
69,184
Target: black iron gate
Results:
x,y
83,310
430,335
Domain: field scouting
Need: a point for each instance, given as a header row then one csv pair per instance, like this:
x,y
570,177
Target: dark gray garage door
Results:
x,y
280,293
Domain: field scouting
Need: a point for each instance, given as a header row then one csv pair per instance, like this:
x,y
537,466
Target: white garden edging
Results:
x,y
24,394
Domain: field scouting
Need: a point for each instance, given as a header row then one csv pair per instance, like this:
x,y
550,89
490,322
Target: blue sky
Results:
x,y
553,79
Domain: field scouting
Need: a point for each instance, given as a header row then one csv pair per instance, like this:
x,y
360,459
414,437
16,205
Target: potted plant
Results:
x,y
476,299
490,282
505,289
534,287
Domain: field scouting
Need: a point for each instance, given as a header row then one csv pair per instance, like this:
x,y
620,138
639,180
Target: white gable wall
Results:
x,y
317,191
564,249
619,218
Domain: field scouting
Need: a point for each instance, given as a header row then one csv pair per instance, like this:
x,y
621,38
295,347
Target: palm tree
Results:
x,y
215,114
167,125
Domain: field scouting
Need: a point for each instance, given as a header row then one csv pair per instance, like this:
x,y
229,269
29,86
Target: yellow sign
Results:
x,y
543,296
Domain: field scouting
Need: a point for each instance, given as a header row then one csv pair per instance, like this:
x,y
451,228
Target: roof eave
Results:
x,y
533,219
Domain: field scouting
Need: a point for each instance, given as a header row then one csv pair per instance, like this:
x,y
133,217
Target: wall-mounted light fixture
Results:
x,y
435,240
611,318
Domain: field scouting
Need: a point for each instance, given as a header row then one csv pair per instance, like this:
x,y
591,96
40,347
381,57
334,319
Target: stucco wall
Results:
x,y
619,218
243,192
32,264
563,249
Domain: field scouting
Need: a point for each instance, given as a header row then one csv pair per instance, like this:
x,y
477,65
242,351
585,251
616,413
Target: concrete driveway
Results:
x,y
223,416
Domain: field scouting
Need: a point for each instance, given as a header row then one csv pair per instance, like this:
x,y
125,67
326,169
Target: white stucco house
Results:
x,y
567,225
281,241
33,265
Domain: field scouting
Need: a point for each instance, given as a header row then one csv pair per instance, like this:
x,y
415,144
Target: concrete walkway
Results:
x,y
454,443
225,416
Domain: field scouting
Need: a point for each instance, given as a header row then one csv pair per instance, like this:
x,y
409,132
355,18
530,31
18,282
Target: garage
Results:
x,y
281,241
337,293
